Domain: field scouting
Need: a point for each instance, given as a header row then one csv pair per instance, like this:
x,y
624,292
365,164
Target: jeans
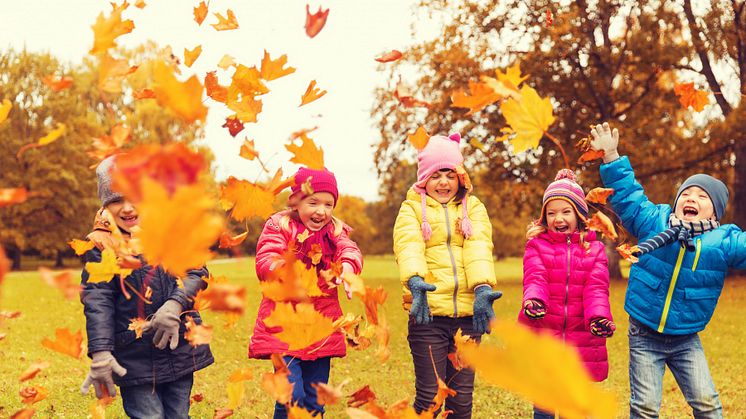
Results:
x,y
160,401
436,338
542,414
302,375
649,353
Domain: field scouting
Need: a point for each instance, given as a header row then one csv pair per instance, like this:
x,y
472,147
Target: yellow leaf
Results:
x,y
105,270
200,13
500,88
481,96
136,324
248,151
226,62
301,326
540,368
106,30
307,154
225,23
81,246
191,56
272,70
246,199
276,383
419,139
66,342
512,77
246,109
235,390
111,72
300,238
5,110
476,144
184,99
53,135
529,117
197,334
247,80
312,93
297,412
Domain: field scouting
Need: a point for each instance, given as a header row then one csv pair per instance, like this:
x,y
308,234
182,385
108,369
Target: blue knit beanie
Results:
x,y
715,188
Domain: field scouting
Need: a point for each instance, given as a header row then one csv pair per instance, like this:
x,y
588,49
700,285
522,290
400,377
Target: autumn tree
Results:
x,y
615,61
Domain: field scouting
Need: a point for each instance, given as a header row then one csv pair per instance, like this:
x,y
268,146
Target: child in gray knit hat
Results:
x,y
684,256
154,372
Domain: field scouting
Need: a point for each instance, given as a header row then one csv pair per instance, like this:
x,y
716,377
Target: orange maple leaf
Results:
x,y
248,81
591,155
4,264
222,297
301,325
419,139
599,195
137,324
67,343
190,56
143,94
277,184
12,196
248,150
183,98
390,56
276,383
32,370
33,394
247,108
5,107
291,281
306,154
440,397
372,299
481,96
273,69
111,73
107,145
140,4
627,252
246,199
200,13
63,281
222,413
689,96
26,413
312,93
106,30
226,62
226,240
327,394
361,397
197,334
315,22
57,84
601,223
406,97
225,23
214,90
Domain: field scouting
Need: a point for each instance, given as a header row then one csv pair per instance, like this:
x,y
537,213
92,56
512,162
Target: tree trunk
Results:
x,y
615,273
59,263
15,256
738,207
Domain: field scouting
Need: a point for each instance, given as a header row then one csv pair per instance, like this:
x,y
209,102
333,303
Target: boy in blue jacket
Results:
x,y
684,257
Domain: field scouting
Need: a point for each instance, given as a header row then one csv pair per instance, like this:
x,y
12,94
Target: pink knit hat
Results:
x,y
321,181
442,153
567,189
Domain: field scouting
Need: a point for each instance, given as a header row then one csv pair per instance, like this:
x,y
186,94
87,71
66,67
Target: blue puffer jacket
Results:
x,y
108,313
671,290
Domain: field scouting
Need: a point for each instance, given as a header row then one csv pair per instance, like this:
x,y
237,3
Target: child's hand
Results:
x,y
420,309
166,322
100,375
483,312
534,309
606,140
101,239
346,270
602,327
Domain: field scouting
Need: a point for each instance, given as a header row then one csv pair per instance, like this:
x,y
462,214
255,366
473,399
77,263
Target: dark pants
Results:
x,y
542,414
302,374
160,401
437,338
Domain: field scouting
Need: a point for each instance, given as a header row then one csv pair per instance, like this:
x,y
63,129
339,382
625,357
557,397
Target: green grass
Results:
x,y
44,310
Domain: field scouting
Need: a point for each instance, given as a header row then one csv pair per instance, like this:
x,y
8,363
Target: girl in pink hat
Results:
x,y
307,225
443,245
566,278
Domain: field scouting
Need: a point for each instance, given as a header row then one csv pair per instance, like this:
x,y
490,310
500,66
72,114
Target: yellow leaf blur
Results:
x,y
529,117
419,139
272,69
105,270
190,56
106,30
226,62
183,99
111,72
5,110
246,199
200,13
306,154
512,77
225,23
53,135
80,246
312,93
247,150
247,80
235,390
246,109
480,96
65,342
301,326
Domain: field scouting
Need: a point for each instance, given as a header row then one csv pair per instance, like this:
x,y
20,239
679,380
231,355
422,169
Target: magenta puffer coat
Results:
x,y
279,231
573,284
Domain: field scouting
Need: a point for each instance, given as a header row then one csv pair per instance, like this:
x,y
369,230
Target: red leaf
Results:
x,y
315,22
390,56
217,92
234,125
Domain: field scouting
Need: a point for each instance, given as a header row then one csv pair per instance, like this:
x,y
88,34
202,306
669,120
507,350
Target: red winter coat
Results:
x,y
574,287
280,230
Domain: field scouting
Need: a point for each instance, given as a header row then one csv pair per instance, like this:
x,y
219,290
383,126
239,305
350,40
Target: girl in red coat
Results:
x,y
308,216
566,278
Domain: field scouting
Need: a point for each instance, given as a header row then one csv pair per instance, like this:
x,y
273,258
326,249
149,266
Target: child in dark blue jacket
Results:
x,y
154,372
684,256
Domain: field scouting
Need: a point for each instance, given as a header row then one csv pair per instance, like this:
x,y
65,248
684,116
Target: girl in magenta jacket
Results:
x,y
309,216
566,278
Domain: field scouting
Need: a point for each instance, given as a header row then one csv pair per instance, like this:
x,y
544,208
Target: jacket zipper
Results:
x,y
696,255
453,261
671,287
567,290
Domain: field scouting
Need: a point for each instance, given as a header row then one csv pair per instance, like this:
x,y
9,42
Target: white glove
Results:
x,y
606,140
166,323
102,367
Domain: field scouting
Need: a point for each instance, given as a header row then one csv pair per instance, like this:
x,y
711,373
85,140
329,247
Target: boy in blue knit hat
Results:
x,y
684,256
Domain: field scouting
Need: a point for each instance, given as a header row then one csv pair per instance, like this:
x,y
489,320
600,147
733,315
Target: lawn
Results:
x,y
43,310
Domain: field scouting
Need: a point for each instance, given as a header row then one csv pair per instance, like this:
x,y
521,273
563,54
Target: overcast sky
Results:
x,y
339,58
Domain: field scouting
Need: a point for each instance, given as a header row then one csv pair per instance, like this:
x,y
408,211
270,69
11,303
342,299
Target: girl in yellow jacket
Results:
x,y
443,245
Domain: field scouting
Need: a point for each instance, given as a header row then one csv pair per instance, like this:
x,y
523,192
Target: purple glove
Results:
x,y
534,309
602,327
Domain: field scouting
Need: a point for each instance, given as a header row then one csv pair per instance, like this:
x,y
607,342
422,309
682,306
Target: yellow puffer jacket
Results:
x,y
457,265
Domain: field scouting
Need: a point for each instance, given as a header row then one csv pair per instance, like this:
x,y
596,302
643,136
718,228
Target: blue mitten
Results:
x,y
420,309
483,312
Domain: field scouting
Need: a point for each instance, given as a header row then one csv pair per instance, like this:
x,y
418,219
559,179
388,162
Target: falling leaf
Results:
x,y
137,324
200,13
197,398
312,93
512,77
32,370
31,395
406,97
373,298
326,394
248,151
182,98
246,108
456,361
548,19
225,23
419,139
214,90
4,264
226,241
301,325
689,96
197,334
476,144
53,135
599,195
12,196
307,154
591,155
222,413
315,253
292,281
188,215
234,125
67,343
272,70
81,246
277,184
140,4
26,413
480,96
300,238
306,187
190,56
529,117
106,30
57,84
627,252
541,368
105,270
440,397
5,106
107,145
297,412
111,73
9,314
226,62
222,298
248,81
241,374
601,223
390,56
315,22
246,199
63,281
235,386
361,397
276,383
500,88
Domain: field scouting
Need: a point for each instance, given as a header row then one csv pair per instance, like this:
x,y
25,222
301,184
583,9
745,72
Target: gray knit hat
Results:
x,y
103,174
715,188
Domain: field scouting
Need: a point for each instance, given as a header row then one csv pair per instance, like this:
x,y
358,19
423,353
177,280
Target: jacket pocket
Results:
x,y
701,293
125,338
646,278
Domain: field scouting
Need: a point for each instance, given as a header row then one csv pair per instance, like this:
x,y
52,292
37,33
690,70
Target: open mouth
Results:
x,y
129,220
443,192
690,211
561,229
317,222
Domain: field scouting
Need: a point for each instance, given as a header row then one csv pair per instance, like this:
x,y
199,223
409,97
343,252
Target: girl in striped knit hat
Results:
x,y
566,278
443,245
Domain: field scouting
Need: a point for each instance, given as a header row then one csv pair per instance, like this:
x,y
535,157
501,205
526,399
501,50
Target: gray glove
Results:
x,y
606,140
166,323
100,374
420,309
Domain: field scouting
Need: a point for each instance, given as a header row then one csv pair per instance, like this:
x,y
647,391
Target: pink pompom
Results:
x,y
427,231
466,228
565,174
455,137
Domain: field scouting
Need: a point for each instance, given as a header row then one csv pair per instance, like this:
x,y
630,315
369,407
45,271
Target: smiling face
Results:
x,y
694,204
442,185
124,213
561,217
315,211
